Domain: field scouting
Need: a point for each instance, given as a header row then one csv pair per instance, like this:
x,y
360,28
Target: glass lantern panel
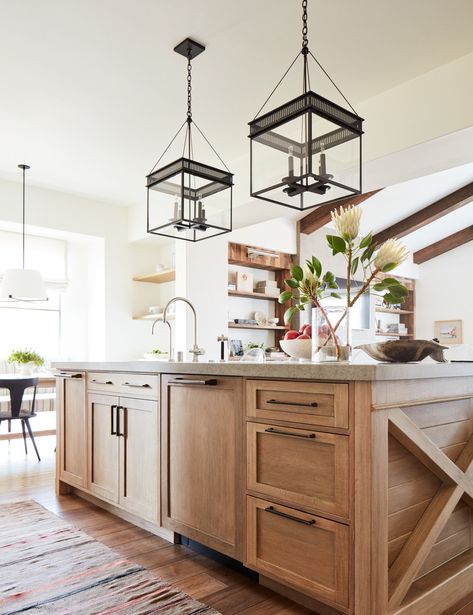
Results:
x,y
285,168
164,202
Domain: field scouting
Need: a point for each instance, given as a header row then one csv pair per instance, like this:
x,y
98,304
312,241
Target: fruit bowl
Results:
x,y
298,349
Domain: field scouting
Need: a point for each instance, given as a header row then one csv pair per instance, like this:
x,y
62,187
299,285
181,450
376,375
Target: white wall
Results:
x,y
111,332
445,292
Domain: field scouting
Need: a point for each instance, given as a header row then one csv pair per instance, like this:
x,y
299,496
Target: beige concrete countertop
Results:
x,y
287,369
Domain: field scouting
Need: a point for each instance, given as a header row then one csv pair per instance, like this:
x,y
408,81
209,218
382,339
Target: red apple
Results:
x,y
303,337
308,331
303,327
291,335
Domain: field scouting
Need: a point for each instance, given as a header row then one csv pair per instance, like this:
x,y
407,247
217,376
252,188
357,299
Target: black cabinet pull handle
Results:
x,y
280,432
312,404
100,382
118,408
209,382
137,386
113,431
273,511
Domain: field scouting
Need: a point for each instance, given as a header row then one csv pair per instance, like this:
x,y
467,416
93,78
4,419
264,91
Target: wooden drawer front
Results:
x,y
300,467
311,403
131,385
305,551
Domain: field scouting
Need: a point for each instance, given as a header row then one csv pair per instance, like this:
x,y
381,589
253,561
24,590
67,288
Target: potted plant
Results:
x,y
365,261
25,360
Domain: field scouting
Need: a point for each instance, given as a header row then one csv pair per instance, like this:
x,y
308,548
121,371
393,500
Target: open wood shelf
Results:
x,y
385,334
234,325
393,311
252,295
160,277
152,316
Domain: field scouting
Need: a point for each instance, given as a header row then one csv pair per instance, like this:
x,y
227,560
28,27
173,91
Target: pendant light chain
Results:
x,y
189,89
305,30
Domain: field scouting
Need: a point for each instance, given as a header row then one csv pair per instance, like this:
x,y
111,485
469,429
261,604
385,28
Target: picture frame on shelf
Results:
x,y
449,332
244,282
235,348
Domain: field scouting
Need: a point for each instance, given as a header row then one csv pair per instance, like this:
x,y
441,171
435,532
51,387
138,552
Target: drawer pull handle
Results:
x,y
137,386
100,382
273,511
280,432
311,404
209,382
113,429
68,375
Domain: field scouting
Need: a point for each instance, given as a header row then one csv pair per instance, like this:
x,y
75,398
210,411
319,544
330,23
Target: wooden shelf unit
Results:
x,y
234,325
253,295
407,314
278,262
159,277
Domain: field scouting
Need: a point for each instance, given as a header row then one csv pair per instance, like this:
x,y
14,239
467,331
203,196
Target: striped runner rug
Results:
x,y
48,566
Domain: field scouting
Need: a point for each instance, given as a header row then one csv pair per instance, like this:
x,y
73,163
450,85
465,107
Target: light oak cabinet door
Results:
x,y
139,457
301,467
305,551
103,446
71,417
202,460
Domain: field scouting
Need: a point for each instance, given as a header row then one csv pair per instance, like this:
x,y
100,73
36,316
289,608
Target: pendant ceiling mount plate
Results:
x,y
189,48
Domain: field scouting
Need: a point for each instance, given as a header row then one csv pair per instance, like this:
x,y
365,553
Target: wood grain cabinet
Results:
x,y
71,417
202,460
124,453
306,551
310,403
301,467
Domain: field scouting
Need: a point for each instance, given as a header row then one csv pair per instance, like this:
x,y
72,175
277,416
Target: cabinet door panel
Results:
x,y
71,430
139,457
305,551
103,447
202,462
302,467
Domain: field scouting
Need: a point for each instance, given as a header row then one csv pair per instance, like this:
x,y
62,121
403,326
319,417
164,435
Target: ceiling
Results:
x,y
92,92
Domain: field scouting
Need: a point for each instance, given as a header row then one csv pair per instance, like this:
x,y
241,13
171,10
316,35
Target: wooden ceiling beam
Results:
x,y
428,214
321,216
444,245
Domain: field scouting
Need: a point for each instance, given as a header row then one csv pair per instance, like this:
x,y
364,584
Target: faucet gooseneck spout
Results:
x,y
195,350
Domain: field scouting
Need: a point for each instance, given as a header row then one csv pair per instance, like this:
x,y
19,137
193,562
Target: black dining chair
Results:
x,y
17,388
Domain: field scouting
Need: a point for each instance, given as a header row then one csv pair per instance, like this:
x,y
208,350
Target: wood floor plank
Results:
x,y
203,578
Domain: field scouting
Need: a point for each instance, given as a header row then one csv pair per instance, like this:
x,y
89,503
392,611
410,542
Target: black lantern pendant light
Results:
x,y
188,199
306,152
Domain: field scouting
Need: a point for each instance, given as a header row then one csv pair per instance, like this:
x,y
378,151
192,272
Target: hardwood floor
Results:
x,y
22,477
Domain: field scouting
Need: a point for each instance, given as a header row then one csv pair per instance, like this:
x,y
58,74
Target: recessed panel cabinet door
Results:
x,y
139,457
103,446
203,460
71,430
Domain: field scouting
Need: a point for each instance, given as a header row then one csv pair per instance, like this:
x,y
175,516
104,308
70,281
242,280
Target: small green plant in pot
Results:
x,y
25,360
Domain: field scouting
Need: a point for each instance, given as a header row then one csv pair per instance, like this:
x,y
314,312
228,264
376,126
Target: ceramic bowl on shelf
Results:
x,y
273,321
297,349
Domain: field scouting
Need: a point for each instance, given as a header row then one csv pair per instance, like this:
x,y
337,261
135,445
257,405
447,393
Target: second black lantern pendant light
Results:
x,y
189,199
307,152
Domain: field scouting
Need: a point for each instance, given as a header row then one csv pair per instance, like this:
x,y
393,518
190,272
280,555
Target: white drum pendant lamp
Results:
x,y
23,284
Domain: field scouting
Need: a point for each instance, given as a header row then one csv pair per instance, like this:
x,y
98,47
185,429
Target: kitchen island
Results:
x,y
346,487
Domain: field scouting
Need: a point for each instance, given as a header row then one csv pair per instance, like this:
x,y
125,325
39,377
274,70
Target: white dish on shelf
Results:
x,y
151,356
273,321
156,309
261,319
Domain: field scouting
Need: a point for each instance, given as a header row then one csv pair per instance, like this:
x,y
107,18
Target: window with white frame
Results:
x,y
33,325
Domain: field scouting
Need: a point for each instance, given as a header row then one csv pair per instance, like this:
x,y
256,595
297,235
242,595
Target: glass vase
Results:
x,y
331,334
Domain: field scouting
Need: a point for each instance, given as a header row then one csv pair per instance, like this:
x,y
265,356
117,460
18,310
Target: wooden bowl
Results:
x,y
405,351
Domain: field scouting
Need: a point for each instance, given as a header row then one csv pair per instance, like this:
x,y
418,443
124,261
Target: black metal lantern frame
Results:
x,y
194,199
307,152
